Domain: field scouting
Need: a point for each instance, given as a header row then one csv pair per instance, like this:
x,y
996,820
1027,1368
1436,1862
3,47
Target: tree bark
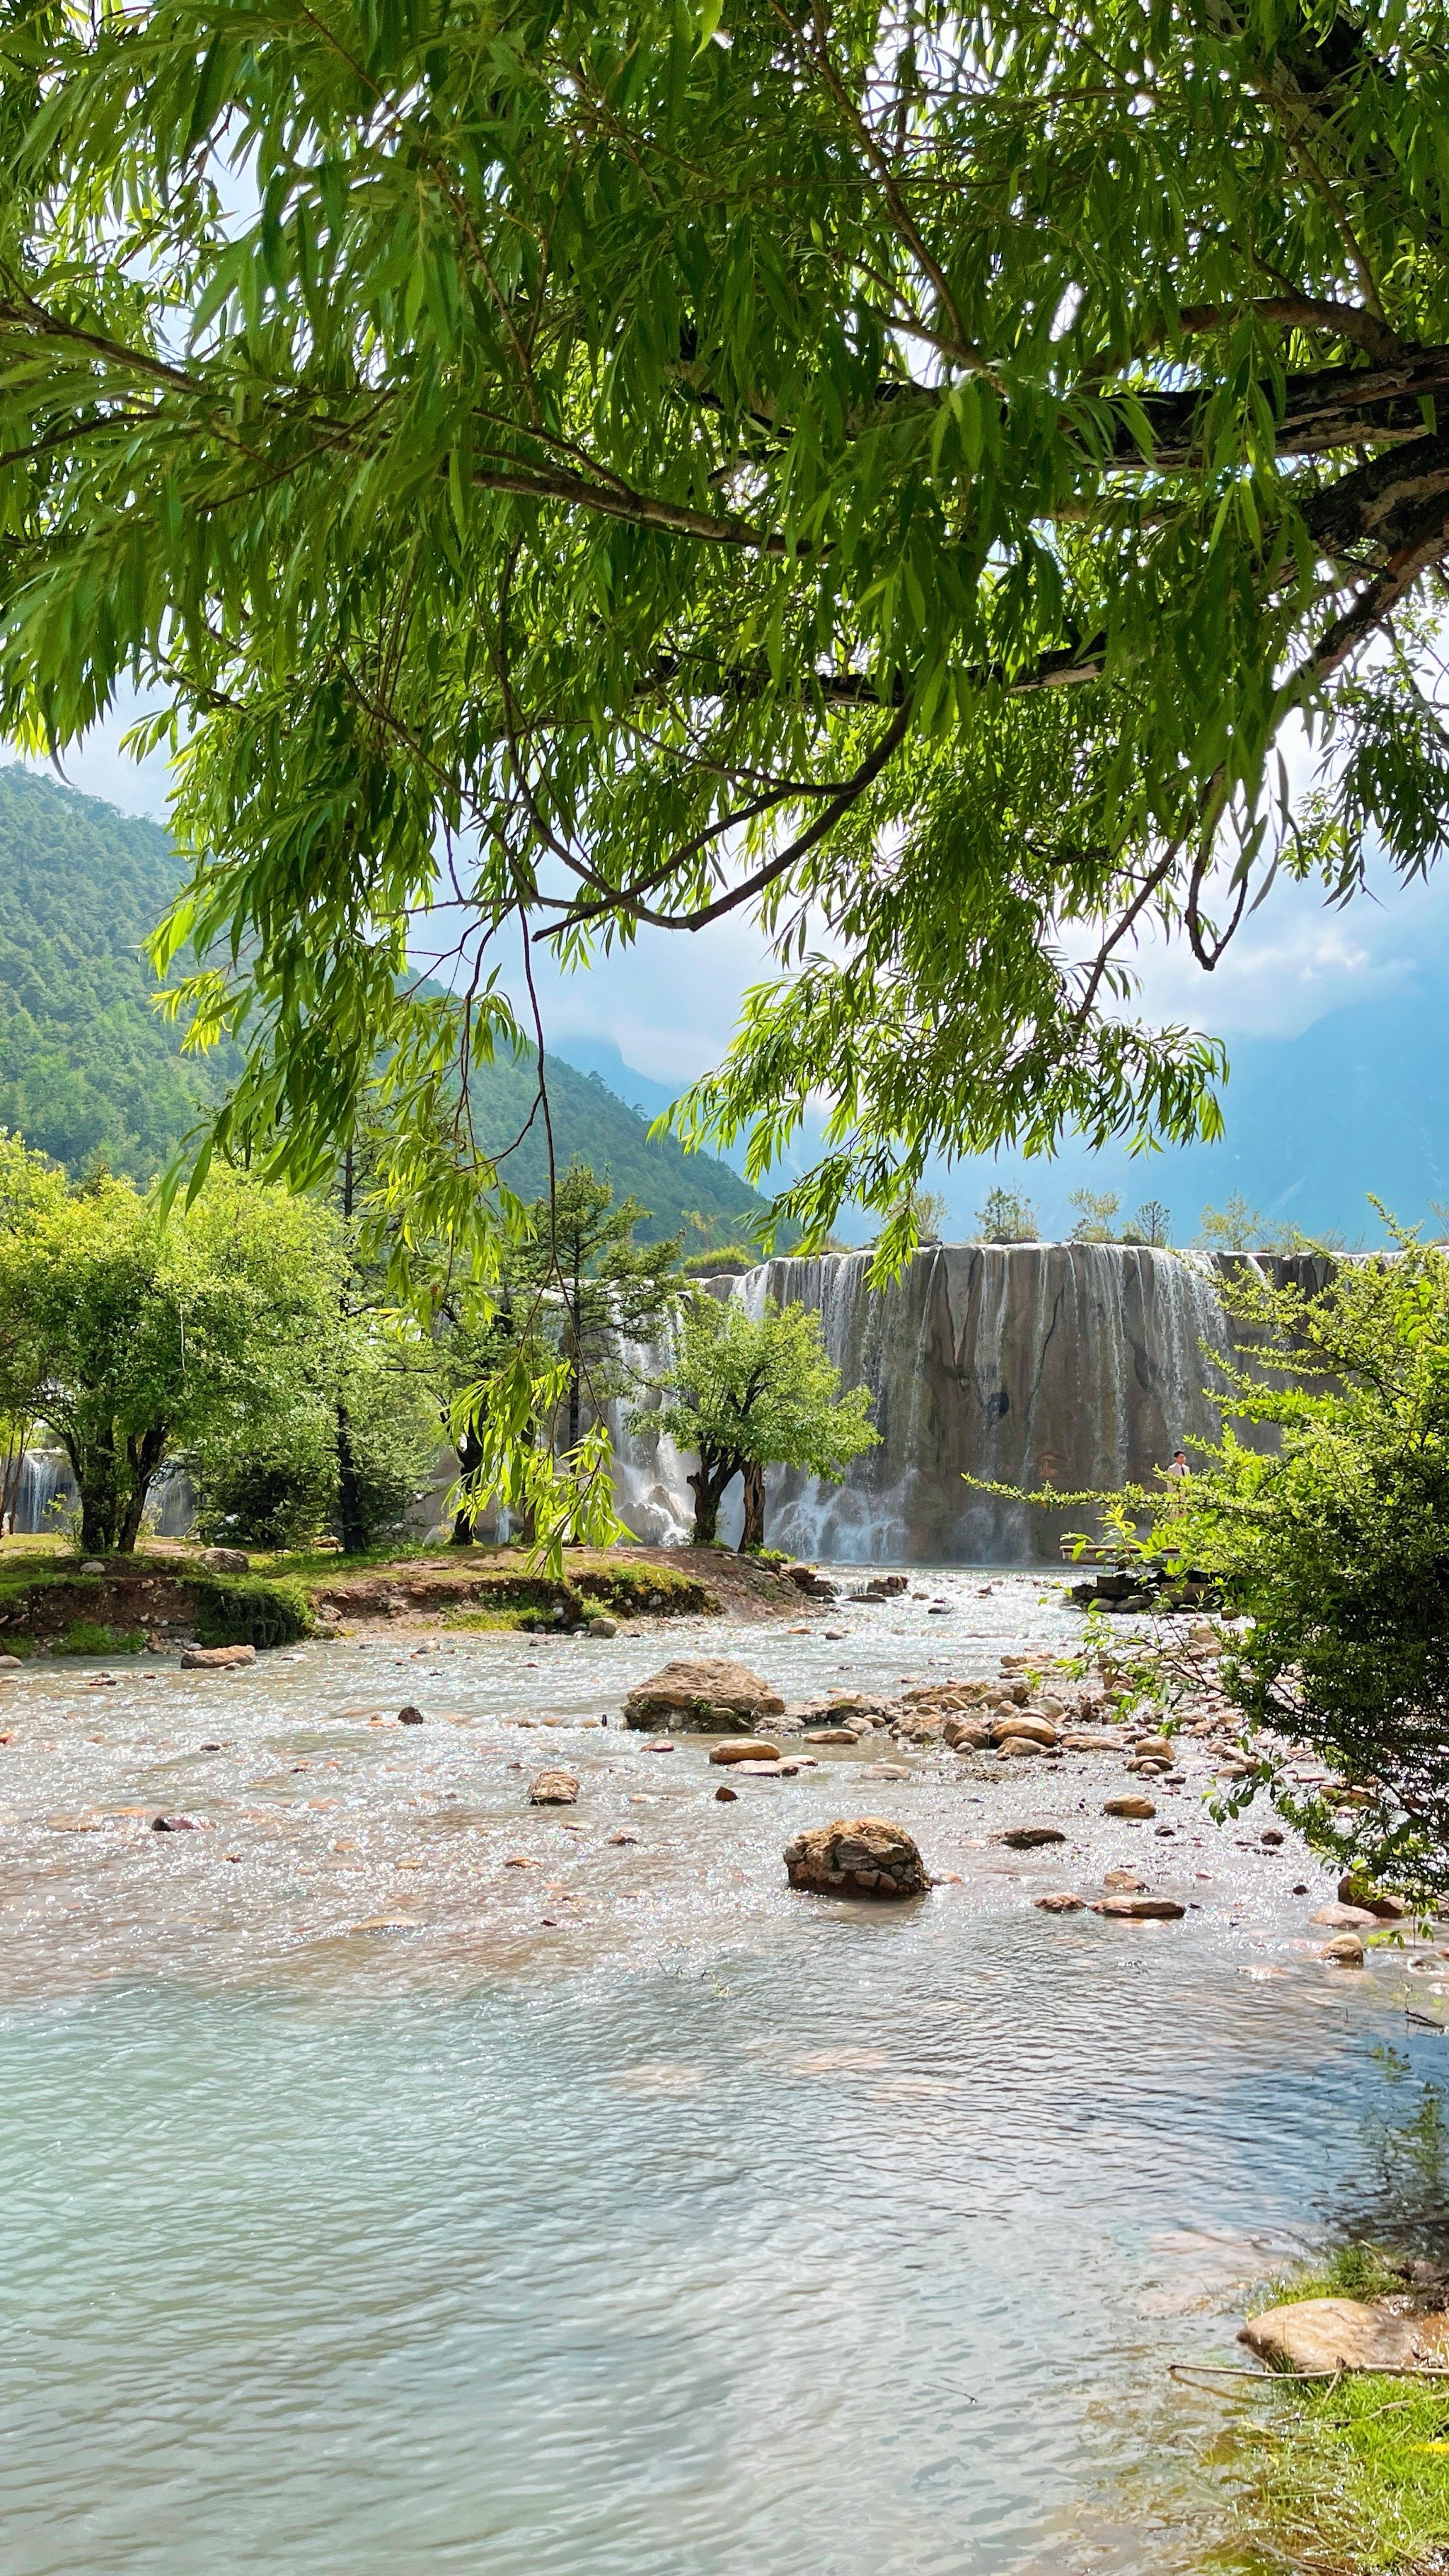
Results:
x,y
97,1481
351,1528
753,1533
470,1459
144,1453
709,1484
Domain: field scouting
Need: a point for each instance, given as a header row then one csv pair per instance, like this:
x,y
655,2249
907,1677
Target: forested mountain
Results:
x,y
89,1070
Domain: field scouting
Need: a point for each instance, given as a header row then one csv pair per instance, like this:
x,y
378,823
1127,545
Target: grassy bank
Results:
x,y
47,1604
1349,2477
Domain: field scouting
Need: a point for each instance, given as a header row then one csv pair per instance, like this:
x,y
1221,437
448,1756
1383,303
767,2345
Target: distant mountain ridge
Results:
x,y
90,1071
1357,1103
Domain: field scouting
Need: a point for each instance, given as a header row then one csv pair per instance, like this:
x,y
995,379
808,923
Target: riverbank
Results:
x,y
51,1602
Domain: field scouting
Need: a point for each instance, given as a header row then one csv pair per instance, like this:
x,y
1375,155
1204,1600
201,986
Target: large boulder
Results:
x,y
1342,2334
859,1856
225,1560
704,1691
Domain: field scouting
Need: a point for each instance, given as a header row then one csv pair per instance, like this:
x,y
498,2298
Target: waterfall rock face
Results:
x,y
1079,1365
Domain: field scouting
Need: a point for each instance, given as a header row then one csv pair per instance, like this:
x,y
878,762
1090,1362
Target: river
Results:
x,y
626,2212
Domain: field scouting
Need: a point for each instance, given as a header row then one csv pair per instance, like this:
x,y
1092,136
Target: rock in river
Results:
x,y
1345,1918
554,1789
859,1856
706,1691
1342,2334
1061,1901
745,1748
217,1659
1131,1805
1030,1837
1141,1909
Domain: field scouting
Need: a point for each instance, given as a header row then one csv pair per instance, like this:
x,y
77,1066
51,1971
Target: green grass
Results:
x,y
93,1637
1351,2477
1354,2272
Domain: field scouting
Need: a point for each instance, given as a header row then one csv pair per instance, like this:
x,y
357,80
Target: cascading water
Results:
x,y
46,1496
1078,1365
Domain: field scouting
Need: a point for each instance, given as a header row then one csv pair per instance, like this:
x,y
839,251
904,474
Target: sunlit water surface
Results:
x,y
626,2212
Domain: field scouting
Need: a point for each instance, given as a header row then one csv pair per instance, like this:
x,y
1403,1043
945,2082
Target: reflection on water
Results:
x,y
773,2235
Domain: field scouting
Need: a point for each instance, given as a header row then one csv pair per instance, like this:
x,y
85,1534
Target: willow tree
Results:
x,y
900,473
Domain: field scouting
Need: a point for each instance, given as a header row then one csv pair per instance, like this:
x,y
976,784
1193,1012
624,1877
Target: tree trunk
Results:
x,y
709,1484
144,1454
97,1479
470,1459
753,1533
351,1528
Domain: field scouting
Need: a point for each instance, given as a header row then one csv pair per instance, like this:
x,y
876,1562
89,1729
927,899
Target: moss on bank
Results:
x,y
1349,2477
509,1600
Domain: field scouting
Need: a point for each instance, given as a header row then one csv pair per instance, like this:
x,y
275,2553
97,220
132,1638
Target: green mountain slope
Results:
x,y
88,1069
589,1120
86,1066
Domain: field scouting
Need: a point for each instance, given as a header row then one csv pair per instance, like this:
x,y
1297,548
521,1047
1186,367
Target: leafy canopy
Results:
x,y
754,1391
134,1339
896,468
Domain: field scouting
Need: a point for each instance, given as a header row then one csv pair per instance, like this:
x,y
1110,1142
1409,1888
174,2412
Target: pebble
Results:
x,y
726,1797
554,1789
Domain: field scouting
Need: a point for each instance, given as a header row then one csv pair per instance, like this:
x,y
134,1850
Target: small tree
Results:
x,y
602,1288
30,1187
1151,1225
143,1336
750,1392
1006,1217
1234,1227
1096,1216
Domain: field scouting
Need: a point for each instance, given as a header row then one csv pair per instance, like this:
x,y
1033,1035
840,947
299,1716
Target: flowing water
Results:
x,y
1078,1366
625,2211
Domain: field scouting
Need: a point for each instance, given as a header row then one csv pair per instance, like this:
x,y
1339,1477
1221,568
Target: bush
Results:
x,y
1337,1546
275,1497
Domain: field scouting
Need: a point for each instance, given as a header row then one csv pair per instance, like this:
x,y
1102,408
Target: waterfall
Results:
x,y
46,1496
1079,1365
